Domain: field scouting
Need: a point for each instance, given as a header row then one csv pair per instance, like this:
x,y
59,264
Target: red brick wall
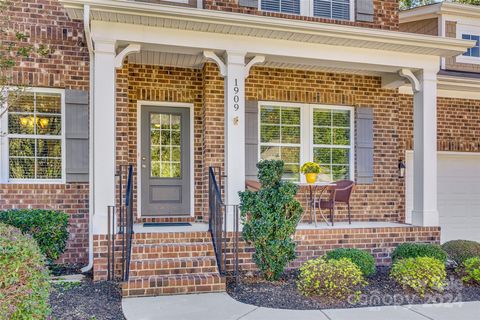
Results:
x,y
46,22
385,13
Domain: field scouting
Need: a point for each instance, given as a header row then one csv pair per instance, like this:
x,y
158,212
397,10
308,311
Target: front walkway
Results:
x,y
220,306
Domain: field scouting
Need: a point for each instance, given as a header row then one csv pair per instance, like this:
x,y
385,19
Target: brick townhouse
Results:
x,y
176,87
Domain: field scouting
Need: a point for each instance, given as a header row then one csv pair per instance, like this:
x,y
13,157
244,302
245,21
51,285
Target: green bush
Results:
x,y
471,270
23,277
422,274
413,250
270,217
47,227
333,278
364,260
461,250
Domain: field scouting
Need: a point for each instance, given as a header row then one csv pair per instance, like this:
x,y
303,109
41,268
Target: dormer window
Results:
x,y
474,51
331,9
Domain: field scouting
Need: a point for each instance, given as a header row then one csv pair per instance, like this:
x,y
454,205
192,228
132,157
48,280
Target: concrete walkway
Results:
x,y
220,306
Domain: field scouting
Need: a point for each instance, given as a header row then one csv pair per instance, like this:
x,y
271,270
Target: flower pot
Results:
x,y
311,177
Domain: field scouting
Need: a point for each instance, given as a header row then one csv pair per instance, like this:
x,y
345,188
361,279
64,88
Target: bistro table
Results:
x,y
314,189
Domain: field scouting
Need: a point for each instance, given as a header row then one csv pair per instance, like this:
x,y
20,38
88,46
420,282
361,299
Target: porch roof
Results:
x,y
193,19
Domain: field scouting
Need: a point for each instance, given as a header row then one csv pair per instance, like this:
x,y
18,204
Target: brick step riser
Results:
x,y
165,264
180,247
171,272
171,255
175,290
140,242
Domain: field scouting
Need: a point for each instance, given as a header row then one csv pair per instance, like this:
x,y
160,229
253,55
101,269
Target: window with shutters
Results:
x,y
297,133
33,146
332,9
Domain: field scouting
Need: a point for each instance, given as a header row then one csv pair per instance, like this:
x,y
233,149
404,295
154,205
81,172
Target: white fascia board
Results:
x,y
442,8
438,46
368,58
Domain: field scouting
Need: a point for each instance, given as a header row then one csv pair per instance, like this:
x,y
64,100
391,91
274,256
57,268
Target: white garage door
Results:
x,y
458,195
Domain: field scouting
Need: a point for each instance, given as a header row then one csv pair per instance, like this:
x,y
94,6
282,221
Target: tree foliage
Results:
x,y
408,4
270,217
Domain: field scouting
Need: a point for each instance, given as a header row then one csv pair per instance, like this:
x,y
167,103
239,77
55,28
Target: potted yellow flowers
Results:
x,y
310,170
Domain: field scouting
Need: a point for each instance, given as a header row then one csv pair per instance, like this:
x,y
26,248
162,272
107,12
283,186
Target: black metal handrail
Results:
x,y
218,226
125,226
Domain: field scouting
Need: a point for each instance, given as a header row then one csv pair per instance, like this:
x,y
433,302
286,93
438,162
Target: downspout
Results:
x,y
88,37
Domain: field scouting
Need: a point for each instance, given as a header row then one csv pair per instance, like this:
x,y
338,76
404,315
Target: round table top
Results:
x,y
317,184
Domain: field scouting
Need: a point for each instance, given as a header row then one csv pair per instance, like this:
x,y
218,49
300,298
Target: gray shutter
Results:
x,y
248,3
251,139
364,145
76,135
364,10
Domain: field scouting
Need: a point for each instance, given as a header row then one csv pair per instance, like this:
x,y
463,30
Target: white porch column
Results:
x,y
234,125
103,119
425,211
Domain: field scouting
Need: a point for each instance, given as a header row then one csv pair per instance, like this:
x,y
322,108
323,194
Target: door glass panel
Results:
x,y
165,150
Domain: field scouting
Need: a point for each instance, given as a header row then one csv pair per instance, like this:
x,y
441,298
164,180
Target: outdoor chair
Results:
x,y
340,193
252,185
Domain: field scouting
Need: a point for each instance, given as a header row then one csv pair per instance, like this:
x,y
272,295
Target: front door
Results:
x,y
165,161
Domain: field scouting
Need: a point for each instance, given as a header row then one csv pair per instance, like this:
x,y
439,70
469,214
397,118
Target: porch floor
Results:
x,y
202,227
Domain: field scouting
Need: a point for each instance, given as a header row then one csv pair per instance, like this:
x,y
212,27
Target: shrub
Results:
x,y
47,227
422,274
23,277
364,260
413,250
335,278
270,217
461,250
310,167
471,270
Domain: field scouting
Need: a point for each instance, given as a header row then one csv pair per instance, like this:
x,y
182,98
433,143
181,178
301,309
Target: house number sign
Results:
x,y
236,98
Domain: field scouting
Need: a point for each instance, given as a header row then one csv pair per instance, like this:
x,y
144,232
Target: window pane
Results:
x,y
340,156
290,116
291,135
51,148
21,124
322,117
270,115
49,168
22,168
340,10
292,172
155,153
341,136
155,168
175,122
290,154
165,121
269,153
165,154
341,118
475,52
49,125
322,155
322,136
176,137
21,102
270,134
155,137
48,103
21,147
340,172
465,36
322,8
176,154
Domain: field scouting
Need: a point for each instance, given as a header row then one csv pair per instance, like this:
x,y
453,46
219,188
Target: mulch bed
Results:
x,y
381,290
86,300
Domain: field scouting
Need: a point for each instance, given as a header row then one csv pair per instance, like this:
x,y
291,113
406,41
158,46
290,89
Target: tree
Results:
x,y
408,4
15,46
472,2
270,217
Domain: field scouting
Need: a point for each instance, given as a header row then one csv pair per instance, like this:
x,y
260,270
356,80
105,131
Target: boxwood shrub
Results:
x,y
413,250
422,274
337,279
47,227
364,260
461,250
23,277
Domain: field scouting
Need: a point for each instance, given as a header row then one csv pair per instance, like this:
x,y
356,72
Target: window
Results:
x,y
296,133
474,51
280,137
34,146
285,6
333,9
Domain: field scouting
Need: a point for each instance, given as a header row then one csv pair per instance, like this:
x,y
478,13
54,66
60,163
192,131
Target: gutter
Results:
x,y
104,8
88,36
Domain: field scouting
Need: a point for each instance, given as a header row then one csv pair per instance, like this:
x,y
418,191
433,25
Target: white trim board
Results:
x,y
190,106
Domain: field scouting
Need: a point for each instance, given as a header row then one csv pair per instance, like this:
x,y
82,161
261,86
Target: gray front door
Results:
x,y
165,161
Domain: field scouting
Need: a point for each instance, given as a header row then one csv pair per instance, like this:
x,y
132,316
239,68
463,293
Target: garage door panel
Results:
x,y
458,195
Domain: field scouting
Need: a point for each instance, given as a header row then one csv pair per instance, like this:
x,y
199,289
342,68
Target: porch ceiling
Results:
x,y
191,19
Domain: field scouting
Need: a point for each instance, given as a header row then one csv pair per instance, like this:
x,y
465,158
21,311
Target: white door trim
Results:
x,y
190,106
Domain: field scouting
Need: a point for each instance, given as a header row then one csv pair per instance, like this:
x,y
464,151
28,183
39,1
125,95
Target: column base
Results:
x,y
425,218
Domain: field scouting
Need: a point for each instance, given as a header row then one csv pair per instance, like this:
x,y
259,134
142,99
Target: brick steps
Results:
x,y
172,263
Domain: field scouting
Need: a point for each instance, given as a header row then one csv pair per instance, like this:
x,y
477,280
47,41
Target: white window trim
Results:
x,y
306,9
4,158
470,30
306,130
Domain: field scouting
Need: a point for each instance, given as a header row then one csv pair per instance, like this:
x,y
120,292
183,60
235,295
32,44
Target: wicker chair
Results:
x,y
339,193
